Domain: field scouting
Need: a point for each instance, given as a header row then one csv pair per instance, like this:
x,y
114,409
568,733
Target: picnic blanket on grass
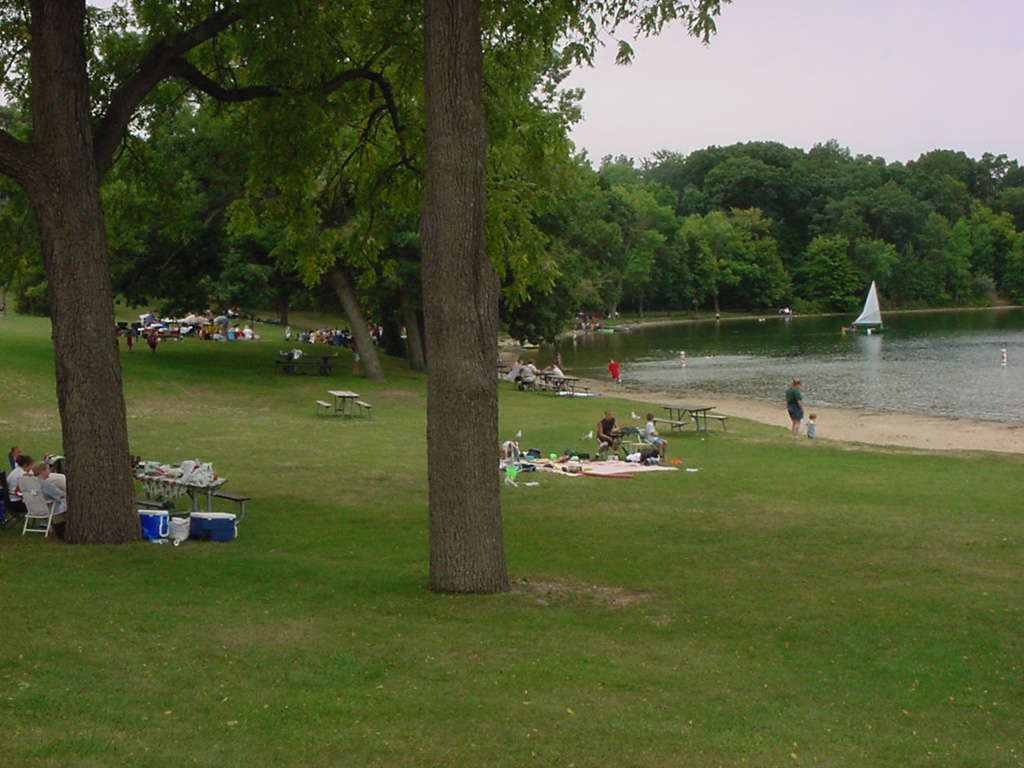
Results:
x,y
609,468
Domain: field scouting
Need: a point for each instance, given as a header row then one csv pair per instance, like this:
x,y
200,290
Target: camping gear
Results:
x,y
212,526
179,529
153,523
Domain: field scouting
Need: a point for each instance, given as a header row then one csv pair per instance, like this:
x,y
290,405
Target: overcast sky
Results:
x,y
889,78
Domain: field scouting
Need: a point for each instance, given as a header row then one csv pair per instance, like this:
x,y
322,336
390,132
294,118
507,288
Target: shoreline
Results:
x,y
643,323
878,428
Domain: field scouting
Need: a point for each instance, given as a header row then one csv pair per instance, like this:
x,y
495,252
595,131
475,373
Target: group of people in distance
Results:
x,y
608,435
204,325
527,376
52,484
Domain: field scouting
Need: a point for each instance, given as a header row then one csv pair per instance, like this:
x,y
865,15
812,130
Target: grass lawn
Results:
x,y
790,603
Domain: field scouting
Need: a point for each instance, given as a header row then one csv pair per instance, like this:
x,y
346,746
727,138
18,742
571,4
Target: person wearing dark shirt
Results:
x,y
607,434
795,405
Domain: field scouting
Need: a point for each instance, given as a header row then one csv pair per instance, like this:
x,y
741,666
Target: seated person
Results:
x,y
607,434
54,496
554,374
528,375
15,506
652,436
515,373
554,370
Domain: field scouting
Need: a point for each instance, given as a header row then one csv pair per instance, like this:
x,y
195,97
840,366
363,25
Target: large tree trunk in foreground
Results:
x,y
341,282
460,287
61,179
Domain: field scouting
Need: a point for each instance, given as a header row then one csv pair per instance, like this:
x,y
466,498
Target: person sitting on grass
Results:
x,y
607,434
652,437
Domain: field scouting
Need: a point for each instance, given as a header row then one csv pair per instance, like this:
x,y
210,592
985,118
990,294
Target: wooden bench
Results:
x,y
365,406
323,408
239,500
676,426
719,417
153,504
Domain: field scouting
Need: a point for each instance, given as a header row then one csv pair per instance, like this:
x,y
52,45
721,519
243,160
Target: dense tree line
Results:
x,y
204,208
749,227
759,225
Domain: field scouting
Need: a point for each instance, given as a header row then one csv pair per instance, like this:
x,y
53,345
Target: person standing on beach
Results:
x,y
795,405
613,369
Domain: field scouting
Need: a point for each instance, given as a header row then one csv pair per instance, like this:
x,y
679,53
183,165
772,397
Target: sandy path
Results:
x,y
849,424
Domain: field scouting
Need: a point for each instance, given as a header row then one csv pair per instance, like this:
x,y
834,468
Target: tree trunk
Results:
x,y
460,287
413,335
391,337
342,284
64,189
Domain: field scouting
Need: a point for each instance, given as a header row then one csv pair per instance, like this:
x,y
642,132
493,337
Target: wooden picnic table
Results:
x,y
322,365
164,487
561,383
681,416
343,401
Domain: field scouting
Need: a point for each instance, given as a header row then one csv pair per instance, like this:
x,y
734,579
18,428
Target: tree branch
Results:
x,y
374,77
191,75
154,67
165,59
18,160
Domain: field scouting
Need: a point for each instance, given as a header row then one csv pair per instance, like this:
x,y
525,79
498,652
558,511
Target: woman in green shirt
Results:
x,y
795,405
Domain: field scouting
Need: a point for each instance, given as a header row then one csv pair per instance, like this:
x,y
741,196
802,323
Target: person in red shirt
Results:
x,y
613,369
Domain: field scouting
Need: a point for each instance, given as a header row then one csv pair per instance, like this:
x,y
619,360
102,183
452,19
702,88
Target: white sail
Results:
x,y
872,314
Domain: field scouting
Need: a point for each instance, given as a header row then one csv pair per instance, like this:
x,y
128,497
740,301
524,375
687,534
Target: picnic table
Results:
x,y
561,385
167,487
682,416
321,365
343,401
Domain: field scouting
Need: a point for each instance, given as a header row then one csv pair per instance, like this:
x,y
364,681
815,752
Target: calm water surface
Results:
x,y
938,363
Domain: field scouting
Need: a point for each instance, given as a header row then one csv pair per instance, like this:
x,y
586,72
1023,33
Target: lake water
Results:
x,y
938,363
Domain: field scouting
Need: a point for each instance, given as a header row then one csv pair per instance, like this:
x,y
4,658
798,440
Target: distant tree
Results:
x,y
992,239
755,276
706,242
829,278
1010,200
1013,277
873,260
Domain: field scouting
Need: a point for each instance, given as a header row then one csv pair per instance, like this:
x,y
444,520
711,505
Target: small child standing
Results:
x,y
810,426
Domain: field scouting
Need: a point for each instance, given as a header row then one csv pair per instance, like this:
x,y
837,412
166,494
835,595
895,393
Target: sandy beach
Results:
x,y
845,424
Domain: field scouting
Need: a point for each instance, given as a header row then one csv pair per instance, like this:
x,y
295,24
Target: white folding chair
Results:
x,y
40,513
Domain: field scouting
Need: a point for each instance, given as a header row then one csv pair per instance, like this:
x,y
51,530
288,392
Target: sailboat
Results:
x,y
870,320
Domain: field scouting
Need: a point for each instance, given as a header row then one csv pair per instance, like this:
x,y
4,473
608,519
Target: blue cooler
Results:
x,y
212,526
153,522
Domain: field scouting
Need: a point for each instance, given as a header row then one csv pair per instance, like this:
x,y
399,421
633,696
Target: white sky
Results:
x,y
889,78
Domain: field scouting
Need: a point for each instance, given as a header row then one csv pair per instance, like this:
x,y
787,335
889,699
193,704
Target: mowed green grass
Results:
x,y
790,603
